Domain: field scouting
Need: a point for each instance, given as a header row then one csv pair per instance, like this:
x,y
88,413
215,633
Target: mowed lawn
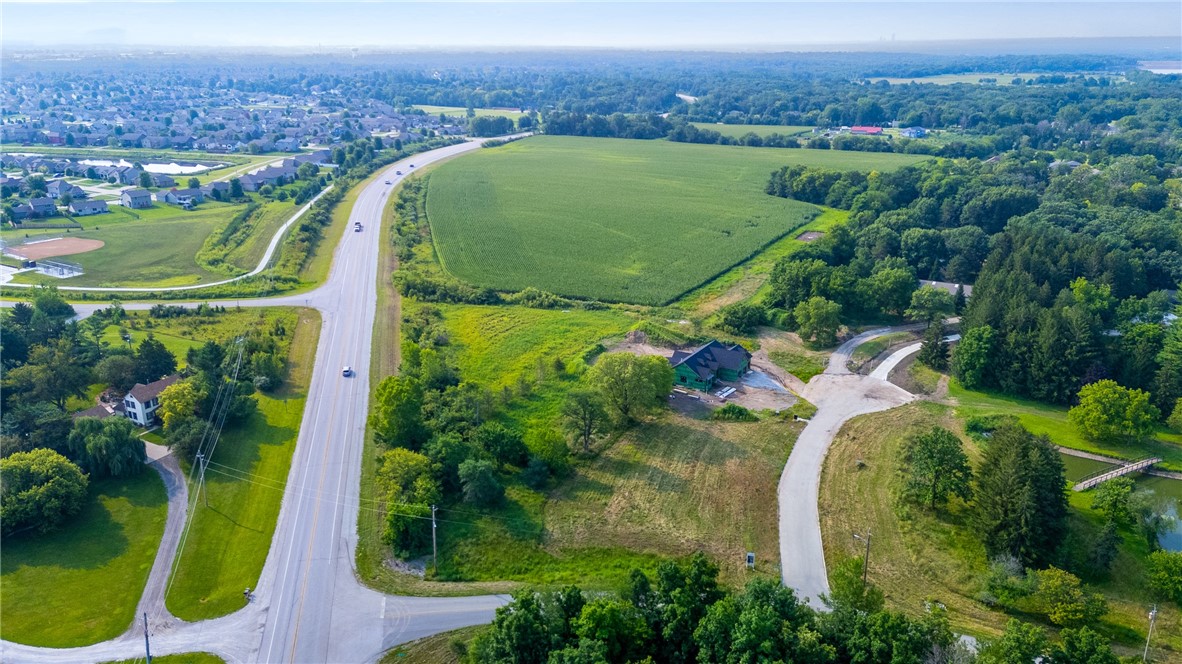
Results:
x,y
153,247
614,219
103,555
228,541
1052,421
737,130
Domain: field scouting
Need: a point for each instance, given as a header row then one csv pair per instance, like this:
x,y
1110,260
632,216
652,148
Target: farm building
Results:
x,y
714,361
866,131
913,132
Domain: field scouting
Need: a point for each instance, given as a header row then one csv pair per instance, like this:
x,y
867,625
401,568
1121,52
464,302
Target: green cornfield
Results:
x,y
612,219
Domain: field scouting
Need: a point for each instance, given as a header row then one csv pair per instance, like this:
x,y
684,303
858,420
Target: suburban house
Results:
x,y
185,198
128,175
700,368
219,191
162,180
141,402
136,199
86,208
98,410
59,188
42,207
288,145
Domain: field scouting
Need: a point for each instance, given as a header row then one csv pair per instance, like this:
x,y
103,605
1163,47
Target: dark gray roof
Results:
x,y
138,193
145,393
98,410
708,359
88,205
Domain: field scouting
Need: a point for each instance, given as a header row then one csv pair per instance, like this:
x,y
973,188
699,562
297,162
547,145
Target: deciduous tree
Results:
x,y
630,384
397,416
480,484
109,446
39,490
584,415
817,321
930,305
937,467
1109,412
1061,596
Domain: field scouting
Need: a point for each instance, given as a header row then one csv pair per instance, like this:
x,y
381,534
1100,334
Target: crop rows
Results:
x,y
617,220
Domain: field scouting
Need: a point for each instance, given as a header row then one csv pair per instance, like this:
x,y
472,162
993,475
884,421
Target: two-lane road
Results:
x,y
317,612
309,606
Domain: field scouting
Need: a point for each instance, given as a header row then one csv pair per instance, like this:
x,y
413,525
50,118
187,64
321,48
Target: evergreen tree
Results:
x,y
153,361
1021,505
934,351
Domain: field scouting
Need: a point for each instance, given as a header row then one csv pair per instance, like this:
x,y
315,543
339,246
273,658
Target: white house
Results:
x,y
141,402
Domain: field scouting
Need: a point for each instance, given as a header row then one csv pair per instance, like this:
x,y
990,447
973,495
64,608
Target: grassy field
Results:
x,y
499,343
1046,419
187,658
650,219
749,278
663,490
873,348
802,364
919,556
737,130
229,540
436,649
463,112
104,554
156,246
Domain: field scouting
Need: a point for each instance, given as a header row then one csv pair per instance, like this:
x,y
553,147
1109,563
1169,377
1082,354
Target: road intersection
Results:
x,y
309,605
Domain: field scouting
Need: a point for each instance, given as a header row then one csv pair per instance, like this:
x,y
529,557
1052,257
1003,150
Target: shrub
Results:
x,y
480,483
733,412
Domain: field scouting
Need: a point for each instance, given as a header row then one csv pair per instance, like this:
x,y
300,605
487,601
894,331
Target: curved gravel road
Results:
x,y
839,395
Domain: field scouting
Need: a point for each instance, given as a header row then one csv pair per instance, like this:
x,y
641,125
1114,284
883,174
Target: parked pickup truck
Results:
x,y
357,227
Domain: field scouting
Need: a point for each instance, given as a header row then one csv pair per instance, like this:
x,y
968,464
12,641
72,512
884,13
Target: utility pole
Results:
x,y
201,480
147,646
434,546
866,556
1152,620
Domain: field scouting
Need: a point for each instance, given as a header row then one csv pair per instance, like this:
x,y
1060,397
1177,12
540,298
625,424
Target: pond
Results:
x,y
172,168
1162,486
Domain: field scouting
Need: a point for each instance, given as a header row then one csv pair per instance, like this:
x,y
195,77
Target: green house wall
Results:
x,y
686,377
727,374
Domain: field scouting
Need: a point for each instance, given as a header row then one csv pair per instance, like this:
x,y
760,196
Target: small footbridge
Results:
x,y
1105,475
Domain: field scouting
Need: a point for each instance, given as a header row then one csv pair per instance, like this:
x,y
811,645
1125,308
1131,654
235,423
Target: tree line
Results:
x,y
682,614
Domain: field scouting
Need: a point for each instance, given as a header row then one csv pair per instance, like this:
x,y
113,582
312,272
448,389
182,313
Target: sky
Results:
x,y
718,25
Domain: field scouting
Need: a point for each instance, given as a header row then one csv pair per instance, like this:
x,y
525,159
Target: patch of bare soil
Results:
x,y
60,247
